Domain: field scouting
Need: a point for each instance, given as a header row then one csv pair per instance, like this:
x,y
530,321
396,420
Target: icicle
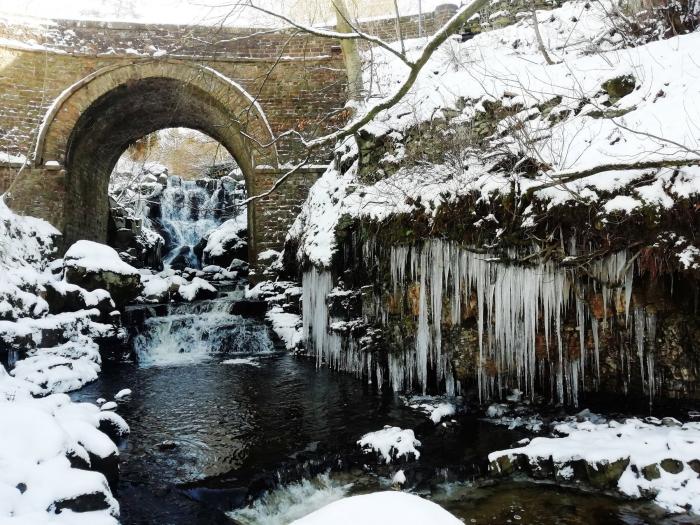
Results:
x,y
434,253
423,332
651,340
596,348
398,258
629,279
581,318
315,287
639,325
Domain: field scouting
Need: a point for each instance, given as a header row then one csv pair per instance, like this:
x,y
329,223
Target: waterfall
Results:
x,y
187,213
196,332
190,210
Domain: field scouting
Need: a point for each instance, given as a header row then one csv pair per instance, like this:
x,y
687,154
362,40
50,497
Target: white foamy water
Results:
x,y
291,502
187,213
197,332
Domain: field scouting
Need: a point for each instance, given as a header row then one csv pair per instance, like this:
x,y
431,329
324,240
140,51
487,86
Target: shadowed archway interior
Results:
x,y
123,115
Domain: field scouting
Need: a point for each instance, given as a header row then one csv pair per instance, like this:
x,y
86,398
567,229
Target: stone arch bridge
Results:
x,y
75,94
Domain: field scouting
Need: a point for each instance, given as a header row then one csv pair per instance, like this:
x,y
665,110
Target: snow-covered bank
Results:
x,y
563,118
54,453
651,458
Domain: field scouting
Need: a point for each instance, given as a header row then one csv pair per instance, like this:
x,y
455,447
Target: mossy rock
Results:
x,y
672,466
605,475
651,472
507,464
619,87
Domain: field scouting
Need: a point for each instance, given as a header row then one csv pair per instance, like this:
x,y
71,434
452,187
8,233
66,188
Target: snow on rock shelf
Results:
x,y
651,458
287,326
96,257
93,265
381,508
391,443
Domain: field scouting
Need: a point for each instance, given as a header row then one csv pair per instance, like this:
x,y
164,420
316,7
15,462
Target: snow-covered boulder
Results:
x,y
391,443
196,290
226,243
93,265
638,459
62,296
380,508
60,368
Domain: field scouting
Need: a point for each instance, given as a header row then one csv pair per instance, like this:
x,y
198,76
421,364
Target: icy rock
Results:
x,y
391,443
91,265
125,392
197,290
109,405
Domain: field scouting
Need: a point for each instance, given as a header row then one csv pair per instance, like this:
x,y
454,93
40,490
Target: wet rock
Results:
x,y
77,461
695,465
167,445
185,258
570,471
541,468
109,466
605,475
506,464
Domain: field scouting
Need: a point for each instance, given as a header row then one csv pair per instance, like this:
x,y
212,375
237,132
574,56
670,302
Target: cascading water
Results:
x,y
196,332
187,213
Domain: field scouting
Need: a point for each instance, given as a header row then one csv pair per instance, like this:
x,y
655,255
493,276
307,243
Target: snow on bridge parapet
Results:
x,y
223,42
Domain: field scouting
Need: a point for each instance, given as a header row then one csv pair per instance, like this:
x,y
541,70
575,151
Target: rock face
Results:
x,y
139,245
65,297
91,265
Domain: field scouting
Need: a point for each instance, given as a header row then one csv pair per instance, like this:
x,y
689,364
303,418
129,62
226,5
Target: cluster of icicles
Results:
x,y
514,304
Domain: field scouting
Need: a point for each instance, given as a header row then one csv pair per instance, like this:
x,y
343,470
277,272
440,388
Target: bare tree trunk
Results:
x,y
351,54
399,33
538,35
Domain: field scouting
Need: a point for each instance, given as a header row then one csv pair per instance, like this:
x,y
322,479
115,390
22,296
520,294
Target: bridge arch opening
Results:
x,y
176,199
95,120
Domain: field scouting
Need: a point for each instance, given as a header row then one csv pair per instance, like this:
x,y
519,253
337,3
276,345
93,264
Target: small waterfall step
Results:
x,y
191,332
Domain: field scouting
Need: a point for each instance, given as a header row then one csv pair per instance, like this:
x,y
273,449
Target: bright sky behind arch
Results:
x,y
207,12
